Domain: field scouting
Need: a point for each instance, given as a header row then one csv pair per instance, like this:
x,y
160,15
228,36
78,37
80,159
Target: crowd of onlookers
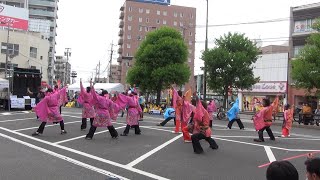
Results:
x,y
284,170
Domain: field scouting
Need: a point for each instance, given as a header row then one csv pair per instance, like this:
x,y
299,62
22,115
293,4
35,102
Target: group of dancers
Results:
x,y
192,116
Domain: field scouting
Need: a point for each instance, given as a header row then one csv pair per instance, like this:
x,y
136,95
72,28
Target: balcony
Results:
x,y
119,59
122,8
121,24
42,3
121,15
120,41
53,24
33,12
120,33
120,50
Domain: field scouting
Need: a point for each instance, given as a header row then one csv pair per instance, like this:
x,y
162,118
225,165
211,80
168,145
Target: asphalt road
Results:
x,y
155,154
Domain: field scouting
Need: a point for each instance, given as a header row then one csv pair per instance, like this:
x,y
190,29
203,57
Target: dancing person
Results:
x,y
200,128
233,115
211,108
133,112
85,98
168,115
102,118
48,110
287,121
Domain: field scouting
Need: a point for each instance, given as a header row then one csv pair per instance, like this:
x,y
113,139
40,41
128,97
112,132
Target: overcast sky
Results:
x,y
89,28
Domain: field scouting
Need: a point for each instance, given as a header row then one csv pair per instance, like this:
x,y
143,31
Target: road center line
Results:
x,y
143,157
269,153
153,176
68,159
79,137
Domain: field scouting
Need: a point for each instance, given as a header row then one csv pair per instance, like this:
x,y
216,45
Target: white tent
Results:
x,y
106,86
3,84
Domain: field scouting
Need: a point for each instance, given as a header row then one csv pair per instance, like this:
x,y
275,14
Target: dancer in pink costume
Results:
x,y
85,99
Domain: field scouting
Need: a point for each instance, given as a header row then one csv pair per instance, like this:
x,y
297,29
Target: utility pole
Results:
x,y
205,67
110,61
67,53
7,62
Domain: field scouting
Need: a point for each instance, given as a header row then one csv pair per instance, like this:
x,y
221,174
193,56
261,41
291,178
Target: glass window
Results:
x,y
158,12
128,46
129,18
130,9
146,29
175,23
129,36
140,19
190,33
164,22
191,16
190,43
175,14
303,25
181,14
147,20
140,28
140,10
148,11
158,21
129,28
296,50
181,24
13,49
165,13
33,52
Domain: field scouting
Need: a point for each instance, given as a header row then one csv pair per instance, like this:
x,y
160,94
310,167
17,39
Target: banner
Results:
x,y
16,18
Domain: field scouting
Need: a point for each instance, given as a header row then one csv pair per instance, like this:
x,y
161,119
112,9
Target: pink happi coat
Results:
x,y
102,107
85,99
187,110
177,104
211,108
48,108
134,109
288,117
201,120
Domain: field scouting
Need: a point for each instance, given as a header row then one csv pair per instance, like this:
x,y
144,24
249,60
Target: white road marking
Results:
x,y
143,157
68,159
6,114
12,120
269,153
89,156
79,137
17,130
159,129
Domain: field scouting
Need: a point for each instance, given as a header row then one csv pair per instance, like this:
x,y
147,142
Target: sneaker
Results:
x,y
176,132
63,132
88,138
258,140
217,147
187,141
273,139
289,135
35,134
228,128
242,129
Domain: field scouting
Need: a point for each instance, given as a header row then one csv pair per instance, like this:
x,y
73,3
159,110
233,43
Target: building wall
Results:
x,y
115,73
132,31
23,59
62,70
301,21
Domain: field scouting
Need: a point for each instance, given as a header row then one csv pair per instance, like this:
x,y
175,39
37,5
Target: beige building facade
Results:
x,y
26,50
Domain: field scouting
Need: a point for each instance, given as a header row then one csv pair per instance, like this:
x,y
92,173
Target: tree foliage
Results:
x,y
306,68
229,64
161,61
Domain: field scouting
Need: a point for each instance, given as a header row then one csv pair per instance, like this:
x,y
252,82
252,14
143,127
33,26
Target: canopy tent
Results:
x,y
106,86
3,84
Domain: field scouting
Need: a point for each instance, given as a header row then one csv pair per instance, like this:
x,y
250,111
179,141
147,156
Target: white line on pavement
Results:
x,y
17,130
89,155
269,153
79,137
12,120
68,159
143,157
148,127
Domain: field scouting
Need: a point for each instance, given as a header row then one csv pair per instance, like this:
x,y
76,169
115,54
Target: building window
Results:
x,y
147,20
128,54
190,43
128,46
190,33
41,57
296,50
146,29
13,49
175,23
181,24
158,21
139,38
175,14
165,13
140,10
129,28
158,12
181,15
191,16
33,52
129,36
140,19
303,25
130,9
148,11
129,18
33,67
140,28
164,22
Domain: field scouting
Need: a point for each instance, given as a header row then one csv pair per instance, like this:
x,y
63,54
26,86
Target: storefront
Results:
x,y
261,90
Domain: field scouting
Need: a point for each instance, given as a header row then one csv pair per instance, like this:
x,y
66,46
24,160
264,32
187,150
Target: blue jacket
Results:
x,y
232,113
170,112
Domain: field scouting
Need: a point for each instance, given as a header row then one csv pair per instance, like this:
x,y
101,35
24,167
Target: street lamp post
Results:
x,y
205,66
7,58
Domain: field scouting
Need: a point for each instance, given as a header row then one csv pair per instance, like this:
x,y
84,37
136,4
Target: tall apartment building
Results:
x,y
62,70
115,76
42,18
301,20
138,17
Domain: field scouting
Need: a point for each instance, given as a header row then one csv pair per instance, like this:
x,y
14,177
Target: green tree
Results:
x,y
229,64
306,68
161,61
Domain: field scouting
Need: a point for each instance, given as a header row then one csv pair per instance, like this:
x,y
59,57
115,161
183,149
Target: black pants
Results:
x,y
43,124
60,109
167,120
136,129
269,131
141,114
210,123
84,123
238,121
196,142
113,132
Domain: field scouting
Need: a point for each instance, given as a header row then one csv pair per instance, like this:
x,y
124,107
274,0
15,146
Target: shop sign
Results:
x,y
277,87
